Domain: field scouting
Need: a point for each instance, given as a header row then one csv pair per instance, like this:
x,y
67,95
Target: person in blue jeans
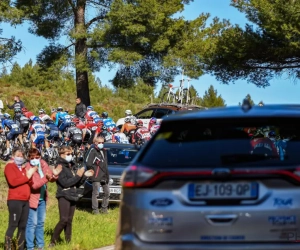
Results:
x,y
38,199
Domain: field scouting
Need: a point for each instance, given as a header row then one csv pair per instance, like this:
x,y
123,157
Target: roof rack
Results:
x,y
178,105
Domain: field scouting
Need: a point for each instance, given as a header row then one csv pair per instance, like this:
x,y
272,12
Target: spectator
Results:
x,y
18,104
38,198
80,108
96,159
67,183
1,107
18,179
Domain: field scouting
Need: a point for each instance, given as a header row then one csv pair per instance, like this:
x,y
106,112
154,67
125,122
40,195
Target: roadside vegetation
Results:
x,y
89,231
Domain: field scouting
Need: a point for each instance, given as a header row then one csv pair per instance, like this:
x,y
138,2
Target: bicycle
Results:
x,y
182,96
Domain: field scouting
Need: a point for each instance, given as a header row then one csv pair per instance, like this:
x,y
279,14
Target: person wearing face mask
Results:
x,y
38,198
18,104
96,159
18,179
66,194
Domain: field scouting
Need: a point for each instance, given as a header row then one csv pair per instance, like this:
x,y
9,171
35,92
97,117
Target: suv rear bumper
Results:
x,y
131,242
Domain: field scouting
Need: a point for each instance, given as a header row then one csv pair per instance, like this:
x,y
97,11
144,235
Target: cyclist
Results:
x,y
63,119
36,132
27,113
119,137
42,113
22,122
74,134
263,145
107,121
92,129
12,130
53,114
106,134
91,113
128,129
153,126
51,132
141,134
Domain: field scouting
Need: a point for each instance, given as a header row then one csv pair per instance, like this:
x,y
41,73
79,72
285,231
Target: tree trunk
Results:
x,y
82,83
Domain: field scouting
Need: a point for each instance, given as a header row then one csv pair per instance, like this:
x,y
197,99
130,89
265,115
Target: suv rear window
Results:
x,y
225,142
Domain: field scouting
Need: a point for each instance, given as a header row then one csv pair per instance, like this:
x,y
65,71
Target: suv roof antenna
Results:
x,y
246,106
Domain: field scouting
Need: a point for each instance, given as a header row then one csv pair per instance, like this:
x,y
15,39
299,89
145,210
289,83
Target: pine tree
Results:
x,y
212,99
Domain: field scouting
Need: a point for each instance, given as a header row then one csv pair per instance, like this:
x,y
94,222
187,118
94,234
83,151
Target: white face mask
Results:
x,y
100,145
19,160
69,158
35,162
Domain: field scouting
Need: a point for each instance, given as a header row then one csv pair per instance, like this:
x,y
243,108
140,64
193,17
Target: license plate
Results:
x,y
241,190
111,190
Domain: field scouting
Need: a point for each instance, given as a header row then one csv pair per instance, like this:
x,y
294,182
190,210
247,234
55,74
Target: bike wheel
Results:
x,y
168,98
186,96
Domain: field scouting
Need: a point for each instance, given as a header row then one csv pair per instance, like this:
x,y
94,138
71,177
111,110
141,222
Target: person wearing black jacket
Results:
x,y
18,104
80,108
96,159
66,194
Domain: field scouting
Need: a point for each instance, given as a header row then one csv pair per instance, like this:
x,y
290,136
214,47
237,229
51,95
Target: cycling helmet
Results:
x,y
128,112
42,111
53,110
104,114
89,108
7,116
139,123
153,120
45,118
126,120
24,110
272,134
34,118
60,109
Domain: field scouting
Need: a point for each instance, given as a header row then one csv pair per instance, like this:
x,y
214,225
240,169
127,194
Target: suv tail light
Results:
x,y
136,176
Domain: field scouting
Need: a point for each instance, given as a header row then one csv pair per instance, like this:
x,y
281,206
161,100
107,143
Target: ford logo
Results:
x,y
162,202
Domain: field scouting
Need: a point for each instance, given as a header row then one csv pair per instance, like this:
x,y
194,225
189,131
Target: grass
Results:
x,y
89,231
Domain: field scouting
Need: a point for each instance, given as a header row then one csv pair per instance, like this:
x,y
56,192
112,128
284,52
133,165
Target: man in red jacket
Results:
x,y
18,180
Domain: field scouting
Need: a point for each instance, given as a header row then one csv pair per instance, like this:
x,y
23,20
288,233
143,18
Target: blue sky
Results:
x,y
282,90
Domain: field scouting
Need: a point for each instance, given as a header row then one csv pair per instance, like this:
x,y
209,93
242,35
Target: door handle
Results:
x,y
221,219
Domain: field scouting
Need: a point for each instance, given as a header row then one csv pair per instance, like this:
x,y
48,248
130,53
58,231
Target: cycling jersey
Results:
x,y
127,127
28,114
53,116
120,138
63,120
109,123
106,135
153,129
142,134
39,131
74,134
264,146
61,117
10,125
22,121
51,131
93,114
